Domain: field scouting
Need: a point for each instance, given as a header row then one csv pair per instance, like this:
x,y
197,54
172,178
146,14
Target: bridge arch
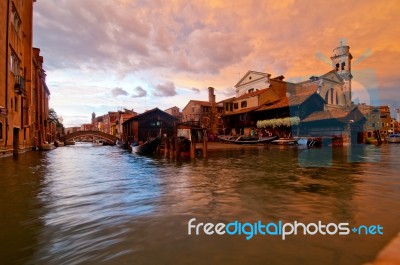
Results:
x,y
110,139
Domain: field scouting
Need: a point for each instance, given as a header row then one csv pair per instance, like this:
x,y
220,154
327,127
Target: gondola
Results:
x,y
146,148
247,139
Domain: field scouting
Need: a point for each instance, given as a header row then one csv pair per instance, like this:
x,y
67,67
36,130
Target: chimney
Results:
x,y
211,99
211,96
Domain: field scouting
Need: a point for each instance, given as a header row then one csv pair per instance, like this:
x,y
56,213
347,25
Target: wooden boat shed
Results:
x,y
148,124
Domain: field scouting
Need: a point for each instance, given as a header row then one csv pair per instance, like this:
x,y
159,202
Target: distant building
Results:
x,y
373,123
87,127
122,117
109,122
71,130
385,120
206,114
174,111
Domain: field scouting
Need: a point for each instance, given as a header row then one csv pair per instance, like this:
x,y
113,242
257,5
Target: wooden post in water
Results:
x,y
192,146
205,143
172,147
177,147
166,149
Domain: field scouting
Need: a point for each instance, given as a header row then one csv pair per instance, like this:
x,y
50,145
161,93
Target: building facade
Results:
x,y
148,125
174,111
17,133
39,101
205,114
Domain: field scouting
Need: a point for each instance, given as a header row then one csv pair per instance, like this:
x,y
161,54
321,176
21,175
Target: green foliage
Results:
x,y
52,116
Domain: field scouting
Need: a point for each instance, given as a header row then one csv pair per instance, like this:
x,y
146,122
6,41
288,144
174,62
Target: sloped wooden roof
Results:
x,y
344,115
287,102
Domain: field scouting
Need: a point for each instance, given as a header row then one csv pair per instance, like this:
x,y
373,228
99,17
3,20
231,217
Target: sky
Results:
x,y
107,55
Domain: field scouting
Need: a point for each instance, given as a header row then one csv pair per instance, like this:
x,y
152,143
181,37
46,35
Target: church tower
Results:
x,y
341,62
93,118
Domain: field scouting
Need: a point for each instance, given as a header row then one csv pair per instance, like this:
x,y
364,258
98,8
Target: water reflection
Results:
x,y
86,205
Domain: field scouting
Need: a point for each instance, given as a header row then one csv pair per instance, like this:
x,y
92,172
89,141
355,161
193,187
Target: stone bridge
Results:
x,y
110,139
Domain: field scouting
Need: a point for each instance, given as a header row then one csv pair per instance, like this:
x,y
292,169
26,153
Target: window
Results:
x,y
250,90
16,21
1,130
226,106
243,104
231,106
343,64
15,103
337,98
236,105
15,63
332,97
337,67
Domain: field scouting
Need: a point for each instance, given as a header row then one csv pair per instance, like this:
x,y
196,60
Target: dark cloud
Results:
x,y
117,91
89,35
165,90
227,92
196,90
139,92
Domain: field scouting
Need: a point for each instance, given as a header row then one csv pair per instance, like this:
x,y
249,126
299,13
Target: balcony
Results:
x,y
19,86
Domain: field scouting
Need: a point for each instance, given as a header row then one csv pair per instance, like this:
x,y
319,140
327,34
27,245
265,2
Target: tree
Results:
x,y
53,115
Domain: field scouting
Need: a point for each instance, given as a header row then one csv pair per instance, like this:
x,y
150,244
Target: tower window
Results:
x,y
343,64
337,67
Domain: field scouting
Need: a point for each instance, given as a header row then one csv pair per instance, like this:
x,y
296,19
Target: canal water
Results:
x,y
102,205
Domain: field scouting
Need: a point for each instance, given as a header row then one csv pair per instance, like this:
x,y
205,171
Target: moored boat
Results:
x,y
98,142
146,148
247,139
285,142
70,142
393,138
59,143
309,142
48,146
120,143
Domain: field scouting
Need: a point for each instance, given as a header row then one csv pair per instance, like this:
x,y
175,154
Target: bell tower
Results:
x,y
93,118
341,62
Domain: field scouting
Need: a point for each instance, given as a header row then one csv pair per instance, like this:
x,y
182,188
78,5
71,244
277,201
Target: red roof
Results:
x,y
201,103
252,94
246,110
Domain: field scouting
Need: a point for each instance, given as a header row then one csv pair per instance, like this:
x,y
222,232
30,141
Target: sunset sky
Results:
x,y
105,55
